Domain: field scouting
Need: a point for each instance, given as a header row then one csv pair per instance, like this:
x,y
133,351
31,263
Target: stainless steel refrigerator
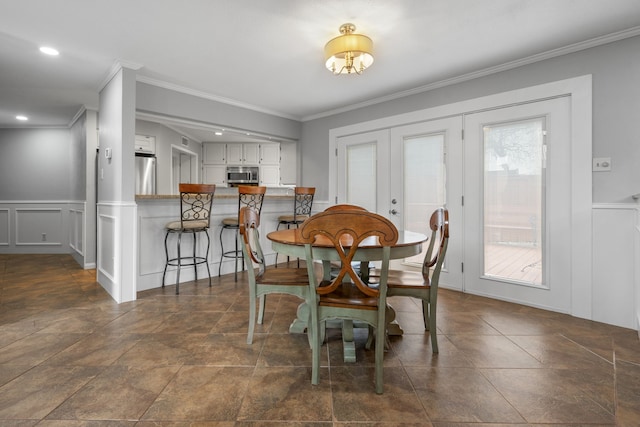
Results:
x,y
145,173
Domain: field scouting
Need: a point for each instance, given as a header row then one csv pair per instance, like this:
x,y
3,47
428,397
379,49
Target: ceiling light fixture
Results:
x,y
49,51
22,118
348,53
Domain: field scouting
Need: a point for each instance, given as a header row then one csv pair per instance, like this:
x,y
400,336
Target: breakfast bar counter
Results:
x,y
154,211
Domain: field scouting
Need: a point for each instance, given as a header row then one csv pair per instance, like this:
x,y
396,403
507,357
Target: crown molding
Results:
x,y
205,95
115,68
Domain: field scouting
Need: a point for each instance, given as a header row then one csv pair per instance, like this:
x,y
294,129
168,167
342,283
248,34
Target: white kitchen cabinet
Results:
x,y
243,154
251,154
145,144
270,154
270,175
214,153
234,154
214,174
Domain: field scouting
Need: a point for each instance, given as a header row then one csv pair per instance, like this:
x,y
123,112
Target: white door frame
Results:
x,y
580,91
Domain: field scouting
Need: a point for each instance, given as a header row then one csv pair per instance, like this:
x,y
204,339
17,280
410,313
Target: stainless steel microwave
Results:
x,y
242,175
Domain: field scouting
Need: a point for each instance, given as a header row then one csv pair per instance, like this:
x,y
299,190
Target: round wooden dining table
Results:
x,y
288,242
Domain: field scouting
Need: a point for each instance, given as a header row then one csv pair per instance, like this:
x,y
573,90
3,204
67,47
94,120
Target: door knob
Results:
x,y
393,212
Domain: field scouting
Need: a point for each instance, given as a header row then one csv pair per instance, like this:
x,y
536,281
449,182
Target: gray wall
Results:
x,y
78,160
40,164
616,103
153,99
117,130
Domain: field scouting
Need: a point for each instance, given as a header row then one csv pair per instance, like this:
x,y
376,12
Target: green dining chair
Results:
x,y
346,296
423,285
262,280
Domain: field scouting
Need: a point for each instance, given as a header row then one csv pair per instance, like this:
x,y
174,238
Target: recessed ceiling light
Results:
x,y
22,118
49,51
218,133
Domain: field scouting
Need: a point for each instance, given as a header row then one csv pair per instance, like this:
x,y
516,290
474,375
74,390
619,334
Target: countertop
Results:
x,y
216,196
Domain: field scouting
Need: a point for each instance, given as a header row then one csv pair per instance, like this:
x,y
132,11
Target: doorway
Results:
x,y
404,174
184,168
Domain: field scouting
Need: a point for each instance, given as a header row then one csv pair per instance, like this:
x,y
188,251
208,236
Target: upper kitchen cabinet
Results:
x,y
214,154
145,144
270,154
243,154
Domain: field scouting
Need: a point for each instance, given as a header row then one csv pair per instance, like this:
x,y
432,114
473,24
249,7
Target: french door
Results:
x,y
517,203
363,171
404,174
426,160
507,188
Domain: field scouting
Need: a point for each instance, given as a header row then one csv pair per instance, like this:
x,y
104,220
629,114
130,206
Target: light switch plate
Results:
x,y
601,164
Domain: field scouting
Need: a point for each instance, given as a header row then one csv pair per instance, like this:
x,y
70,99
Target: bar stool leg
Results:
x,y
166,252
288,227
206,256
179,263
222,252
276,263
235,256
228,254
195,261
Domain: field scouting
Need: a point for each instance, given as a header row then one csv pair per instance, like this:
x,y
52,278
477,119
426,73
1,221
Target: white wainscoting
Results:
x,y
5,228
37,226
107,247
76,229
116,260
40,227
615,267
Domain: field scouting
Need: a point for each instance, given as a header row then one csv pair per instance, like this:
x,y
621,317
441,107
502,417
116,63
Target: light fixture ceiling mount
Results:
x,y
348,53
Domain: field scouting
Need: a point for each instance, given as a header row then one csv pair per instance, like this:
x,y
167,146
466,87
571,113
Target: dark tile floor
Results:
x,y
70,356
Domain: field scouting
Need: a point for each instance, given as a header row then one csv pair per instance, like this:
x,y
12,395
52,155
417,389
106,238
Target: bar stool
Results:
x,y
248,195
302,204
195,215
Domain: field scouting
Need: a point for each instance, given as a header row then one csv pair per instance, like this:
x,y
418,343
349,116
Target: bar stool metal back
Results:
x,y
248,195
195,215
302,204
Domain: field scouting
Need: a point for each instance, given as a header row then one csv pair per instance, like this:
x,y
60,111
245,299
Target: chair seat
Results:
x,y
187,225
284,276
348,296
292,218
230,221
401,279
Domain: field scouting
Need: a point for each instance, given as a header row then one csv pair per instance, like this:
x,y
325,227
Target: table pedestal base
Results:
x,y
299,326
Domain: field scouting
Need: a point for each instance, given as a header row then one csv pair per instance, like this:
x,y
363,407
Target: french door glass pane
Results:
x,y
361,175
424,182
513,201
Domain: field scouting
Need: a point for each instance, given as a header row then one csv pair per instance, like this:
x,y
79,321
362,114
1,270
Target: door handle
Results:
x,y
393,212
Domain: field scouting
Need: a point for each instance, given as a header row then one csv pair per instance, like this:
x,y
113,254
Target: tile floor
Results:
x,y
70,356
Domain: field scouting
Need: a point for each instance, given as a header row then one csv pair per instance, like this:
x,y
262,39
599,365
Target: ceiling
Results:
x,y
268,55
